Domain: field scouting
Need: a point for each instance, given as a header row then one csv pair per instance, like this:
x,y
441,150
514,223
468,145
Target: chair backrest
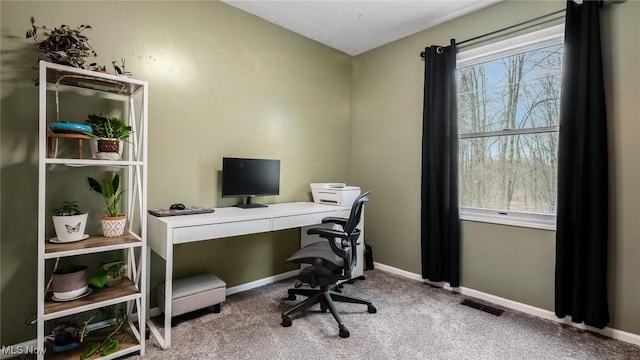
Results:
x,y
356,212
351,229
343,243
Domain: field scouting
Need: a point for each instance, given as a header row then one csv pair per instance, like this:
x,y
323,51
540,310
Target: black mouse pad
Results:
x,y
186,211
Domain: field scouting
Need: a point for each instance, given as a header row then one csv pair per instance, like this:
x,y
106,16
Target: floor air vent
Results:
x,y
486,308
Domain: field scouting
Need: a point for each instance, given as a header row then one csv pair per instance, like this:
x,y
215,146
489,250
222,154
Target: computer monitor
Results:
x,y
248,178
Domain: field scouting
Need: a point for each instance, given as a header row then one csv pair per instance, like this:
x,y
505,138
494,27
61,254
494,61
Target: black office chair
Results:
x,y
332,262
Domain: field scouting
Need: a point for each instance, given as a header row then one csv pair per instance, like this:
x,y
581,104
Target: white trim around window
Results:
x,y
511,218
536,40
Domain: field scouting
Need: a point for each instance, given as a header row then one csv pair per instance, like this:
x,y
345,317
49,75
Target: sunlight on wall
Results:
x,y
168,65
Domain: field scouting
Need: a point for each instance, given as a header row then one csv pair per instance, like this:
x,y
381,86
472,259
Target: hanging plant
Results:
x,y
63,45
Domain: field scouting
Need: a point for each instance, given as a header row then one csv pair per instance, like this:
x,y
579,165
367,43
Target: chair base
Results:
x,y
325,296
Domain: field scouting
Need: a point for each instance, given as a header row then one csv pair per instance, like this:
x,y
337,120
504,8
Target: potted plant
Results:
x,y
64,337
63,45
113,223
109,133
110,274
108,342
69,222
102,341
70,282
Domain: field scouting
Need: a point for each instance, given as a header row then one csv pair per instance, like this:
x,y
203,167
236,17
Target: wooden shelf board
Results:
x,y
94,242
128,344
126,288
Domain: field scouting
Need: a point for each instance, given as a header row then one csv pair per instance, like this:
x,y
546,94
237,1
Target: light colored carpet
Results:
x,y
414,321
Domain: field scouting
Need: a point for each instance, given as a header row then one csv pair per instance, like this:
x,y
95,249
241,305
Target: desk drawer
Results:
x,y
293,221
213,231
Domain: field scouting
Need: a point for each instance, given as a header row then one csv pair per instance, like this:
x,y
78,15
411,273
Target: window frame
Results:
x,y
553,35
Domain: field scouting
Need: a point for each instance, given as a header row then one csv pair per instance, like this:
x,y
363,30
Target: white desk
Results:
x,y
164,232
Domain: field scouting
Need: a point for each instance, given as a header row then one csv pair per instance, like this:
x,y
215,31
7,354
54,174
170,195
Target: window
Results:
x,y
508,111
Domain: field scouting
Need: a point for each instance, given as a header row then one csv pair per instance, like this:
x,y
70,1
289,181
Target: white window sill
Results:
x,y
511,218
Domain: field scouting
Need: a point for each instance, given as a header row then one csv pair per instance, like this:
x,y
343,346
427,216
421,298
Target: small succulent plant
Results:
x,y
68,208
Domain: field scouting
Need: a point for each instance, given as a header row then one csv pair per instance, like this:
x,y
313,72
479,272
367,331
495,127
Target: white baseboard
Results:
x,y
528,309
254,284
400,272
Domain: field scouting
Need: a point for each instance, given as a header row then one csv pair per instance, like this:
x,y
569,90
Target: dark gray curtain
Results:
x,y
440,220
582,229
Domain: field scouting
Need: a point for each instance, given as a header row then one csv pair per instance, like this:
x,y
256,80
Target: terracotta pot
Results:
x,y
113,226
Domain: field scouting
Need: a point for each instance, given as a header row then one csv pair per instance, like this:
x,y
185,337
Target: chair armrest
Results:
x,y
330,235
335,220
327,232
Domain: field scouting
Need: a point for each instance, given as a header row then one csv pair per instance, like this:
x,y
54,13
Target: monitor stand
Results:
x,y
250,205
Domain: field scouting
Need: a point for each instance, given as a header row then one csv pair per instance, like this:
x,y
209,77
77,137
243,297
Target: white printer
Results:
x,y
334,193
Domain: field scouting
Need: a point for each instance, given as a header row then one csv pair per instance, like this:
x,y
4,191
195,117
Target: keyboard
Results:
x,y
186,211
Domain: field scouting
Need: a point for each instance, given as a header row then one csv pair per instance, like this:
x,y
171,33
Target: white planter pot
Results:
x,y
70,228
113,226
93,144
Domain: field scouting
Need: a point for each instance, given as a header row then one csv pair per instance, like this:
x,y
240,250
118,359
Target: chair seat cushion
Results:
x,y
322,250
318,275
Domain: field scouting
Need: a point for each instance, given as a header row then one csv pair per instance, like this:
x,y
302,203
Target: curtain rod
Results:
x,y
422,54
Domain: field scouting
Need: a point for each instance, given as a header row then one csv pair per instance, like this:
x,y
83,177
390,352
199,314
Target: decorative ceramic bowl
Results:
x,y
70,128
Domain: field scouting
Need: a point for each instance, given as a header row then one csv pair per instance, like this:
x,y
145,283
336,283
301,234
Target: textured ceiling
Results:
x,y
357,26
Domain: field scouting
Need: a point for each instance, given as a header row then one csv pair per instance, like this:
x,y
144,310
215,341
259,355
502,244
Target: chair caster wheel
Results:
x,y
371,309
344,333
286,321
291,297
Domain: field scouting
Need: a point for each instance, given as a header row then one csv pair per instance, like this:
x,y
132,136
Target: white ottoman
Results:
x,y
193,293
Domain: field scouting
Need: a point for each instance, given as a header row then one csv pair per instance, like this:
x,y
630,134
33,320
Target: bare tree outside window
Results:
x,y
508,127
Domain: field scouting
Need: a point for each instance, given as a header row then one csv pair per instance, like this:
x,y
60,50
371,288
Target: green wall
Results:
x,y
221,83
510,262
